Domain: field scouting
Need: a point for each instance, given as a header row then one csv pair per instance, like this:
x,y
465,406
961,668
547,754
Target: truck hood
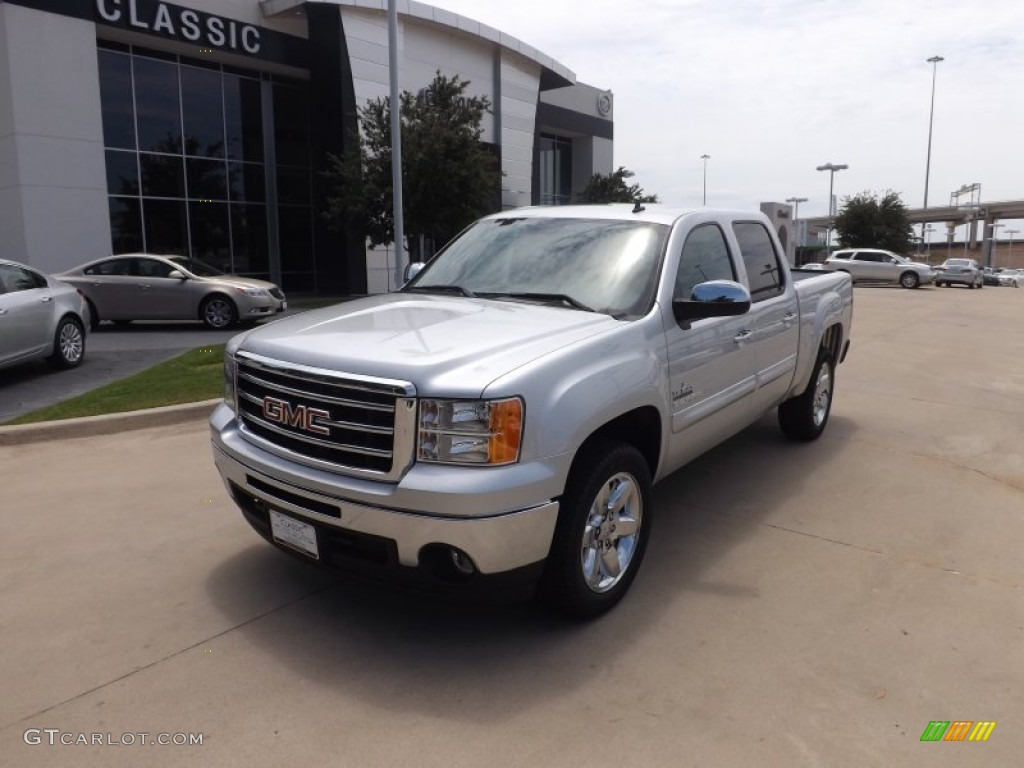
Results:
x,y
445,345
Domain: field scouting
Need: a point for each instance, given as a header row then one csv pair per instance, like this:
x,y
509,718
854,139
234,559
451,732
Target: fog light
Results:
x,y
462,563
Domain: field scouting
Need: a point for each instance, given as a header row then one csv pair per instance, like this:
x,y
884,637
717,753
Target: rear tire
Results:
x,y
804,417
603,527
68,344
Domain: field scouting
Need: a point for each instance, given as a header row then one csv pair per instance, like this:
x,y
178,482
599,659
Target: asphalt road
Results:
x,y
800,605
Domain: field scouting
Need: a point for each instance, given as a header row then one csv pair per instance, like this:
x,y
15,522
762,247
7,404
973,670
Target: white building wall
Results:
x,y
520,83
53,197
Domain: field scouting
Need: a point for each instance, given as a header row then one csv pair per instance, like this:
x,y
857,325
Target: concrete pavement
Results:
x,y
800,604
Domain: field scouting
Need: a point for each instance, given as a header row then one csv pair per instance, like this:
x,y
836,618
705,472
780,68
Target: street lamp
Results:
x,y
926,232
934,61
831,168
796,217
705,158
796,205
1009,255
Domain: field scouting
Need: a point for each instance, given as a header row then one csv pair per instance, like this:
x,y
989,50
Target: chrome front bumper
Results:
x,y
496,542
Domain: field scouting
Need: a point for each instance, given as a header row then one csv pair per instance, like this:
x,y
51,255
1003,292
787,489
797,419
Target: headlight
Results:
x,y
480,432
230,370
256,293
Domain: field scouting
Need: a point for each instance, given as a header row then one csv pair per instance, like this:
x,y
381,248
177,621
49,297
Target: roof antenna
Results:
x,y
637,207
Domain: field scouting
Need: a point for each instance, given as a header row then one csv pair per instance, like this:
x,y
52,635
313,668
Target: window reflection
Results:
x,y
611,266
185,162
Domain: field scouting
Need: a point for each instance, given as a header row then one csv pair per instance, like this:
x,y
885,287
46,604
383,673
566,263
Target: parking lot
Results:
x,y
810,605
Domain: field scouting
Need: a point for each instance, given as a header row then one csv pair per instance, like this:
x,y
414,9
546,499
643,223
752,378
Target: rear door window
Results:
x,y
764,272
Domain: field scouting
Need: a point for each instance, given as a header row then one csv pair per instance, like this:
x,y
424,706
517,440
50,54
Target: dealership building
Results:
x,y
140,125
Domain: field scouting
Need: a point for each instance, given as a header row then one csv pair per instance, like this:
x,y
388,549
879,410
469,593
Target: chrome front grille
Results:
x,y
343,423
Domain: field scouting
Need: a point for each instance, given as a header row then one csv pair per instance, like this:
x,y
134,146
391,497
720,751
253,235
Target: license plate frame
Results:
x,y
294,534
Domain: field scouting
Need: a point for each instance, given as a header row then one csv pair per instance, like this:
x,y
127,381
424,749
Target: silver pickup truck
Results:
x,y
499,421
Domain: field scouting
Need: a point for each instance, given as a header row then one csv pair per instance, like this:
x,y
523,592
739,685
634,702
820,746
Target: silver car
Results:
x,y
40,317
961,272
143,286
1011,277
873,265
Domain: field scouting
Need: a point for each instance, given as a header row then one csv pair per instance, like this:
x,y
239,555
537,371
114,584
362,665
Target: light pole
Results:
x,y
926,231
934,61
831,168
1009,255
704,199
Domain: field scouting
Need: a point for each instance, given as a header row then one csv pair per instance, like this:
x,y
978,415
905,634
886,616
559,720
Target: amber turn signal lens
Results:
x,y
506,428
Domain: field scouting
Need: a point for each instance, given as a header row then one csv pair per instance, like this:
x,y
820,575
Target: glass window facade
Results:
x,y
188,166
555,170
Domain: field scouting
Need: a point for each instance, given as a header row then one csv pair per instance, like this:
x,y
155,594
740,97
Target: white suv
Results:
x,y
873,265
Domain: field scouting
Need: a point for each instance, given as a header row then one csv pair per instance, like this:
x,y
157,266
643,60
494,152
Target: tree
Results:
x,y
612,188
449,178
867,222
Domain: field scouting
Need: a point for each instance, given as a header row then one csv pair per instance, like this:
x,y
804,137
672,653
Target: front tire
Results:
x,y
218,312
603,528
68,344
804,417
910,280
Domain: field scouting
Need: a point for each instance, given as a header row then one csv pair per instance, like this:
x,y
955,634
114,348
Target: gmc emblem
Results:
x,y
301,416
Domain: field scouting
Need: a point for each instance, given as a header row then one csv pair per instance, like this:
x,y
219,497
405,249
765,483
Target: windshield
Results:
x,y
957,262
195,266
608,266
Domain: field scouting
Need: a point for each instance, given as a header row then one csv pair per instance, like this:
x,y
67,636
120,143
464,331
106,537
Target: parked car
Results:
x,y
873,265
1011,277
960,272
143,286
40,317
501,418
990,276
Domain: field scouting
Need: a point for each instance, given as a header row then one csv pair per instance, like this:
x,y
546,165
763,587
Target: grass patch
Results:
x,y
188,378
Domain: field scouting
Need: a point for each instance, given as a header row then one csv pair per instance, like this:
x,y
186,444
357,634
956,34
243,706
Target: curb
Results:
x,y
107,424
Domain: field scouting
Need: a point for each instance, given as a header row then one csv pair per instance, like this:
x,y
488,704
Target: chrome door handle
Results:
x,y
742,336
47,298
789,317
3,311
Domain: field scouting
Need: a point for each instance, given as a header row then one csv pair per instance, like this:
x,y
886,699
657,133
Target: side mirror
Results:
x,y
715,298
413,269
176,274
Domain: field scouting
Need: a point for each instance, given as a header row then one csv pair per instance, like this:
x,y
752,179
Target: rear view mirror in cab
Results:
x,y
715,298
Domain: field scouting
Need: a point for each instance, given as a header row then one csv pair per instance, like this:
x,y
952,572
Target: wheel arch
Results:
x,y
640,427
215,294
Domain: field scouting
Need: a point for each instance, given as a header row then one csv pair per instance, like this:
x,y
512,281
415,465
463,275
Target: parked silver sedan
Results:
x,y
40,317
143,286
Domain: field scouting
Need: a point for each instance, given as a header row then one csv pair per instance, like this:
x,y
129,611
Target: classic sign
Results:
x,y
180,23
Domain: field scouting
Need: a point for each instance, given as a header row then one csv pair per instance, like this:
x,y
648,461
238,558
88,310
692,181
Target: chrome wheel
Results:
x,y
822,394
71,342
218,313
612,532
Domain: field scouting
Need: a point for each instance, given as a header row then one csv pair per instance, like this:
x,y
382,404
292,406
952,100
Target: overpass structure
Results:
x,y
988,213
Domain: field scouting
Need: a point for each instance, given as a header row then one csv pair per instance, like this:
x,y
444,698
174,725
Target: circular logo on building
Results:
x,y
604,103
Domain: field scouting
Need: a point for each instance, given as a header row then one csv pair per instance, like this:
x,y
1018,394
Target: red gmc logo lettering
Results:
x,y
301,416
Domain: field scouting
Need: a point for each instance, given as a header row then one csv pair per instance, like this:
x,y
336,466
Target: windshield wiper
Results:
x,y
442,289
562,297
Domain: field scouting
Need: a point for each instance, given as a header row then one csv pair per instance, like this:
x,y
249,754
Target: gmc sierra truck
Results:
x,y
499,420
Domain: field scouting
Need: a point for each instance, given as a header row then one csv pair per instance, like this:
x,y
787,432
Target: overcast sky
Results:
x,y
770,89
